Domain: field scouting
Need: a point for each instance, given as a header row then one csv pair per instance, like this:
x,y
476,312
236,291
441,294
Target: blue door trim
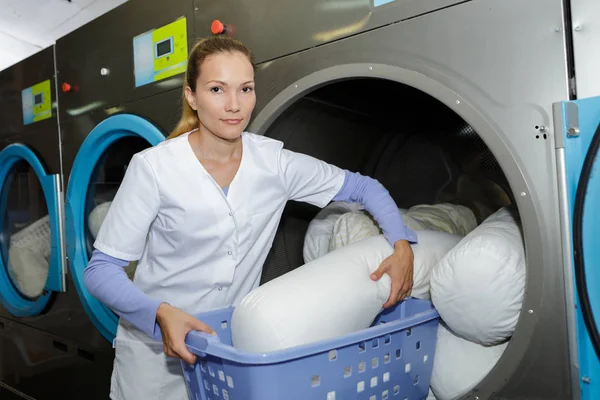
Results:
x,y
576,149
96,143
16,304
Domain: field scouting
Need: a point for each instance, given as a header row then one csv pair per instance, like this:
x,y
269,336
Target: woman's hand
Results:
x,y
175,325
399,266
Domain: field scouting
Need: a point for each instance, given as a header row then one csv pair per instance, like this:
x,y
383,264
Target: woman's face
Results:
x,y
224,97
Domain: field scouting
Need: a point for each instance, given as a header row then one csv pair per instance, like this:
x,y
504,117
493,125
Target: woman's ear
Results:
x,y
189,96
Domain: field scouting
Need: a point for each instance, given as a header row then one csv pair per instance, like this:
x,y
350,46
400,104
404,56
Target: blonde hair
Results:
x,y
203,49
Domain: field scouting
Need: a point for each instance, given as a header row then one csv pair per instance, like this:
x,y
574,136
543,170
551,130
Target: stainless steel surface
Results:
x,y
56,89
467,57
42,135
565,228
107,42
61,228
572,120
274,28
585,17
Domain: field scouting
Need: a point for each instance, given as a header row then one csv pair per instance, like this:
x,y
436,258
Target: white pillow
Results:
x,y
353,226
95,220
459,365
96,217
444,217
318,234
330,296
478,286
28,269
29,257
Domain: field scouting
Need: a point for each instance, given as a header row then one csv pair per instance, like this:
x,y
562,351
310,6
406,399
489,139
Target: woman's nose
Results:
x,y
233,104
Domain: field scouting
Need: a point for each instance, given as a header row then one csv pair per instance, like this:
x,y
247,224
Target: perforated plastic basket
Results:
x,y
392,360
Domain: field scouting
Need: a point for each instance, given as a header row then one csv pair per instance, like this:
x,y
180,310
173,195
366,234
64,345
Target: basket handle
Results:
x,y
199,342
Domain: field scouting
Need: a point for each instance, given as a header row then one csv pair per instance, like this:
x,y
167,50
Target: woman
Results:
x,y
200,212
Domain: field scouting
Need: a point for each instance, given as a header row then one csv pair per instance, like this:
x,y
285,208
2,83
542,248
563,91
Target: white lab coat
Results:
x,y
204,250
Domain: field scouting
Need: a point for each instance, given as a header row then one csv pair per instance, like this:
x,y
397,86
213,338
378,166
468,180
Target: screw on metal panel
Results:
x,y
530,311
557,29
573,131
457,101
523,194
295,86
196,8
586,379
543,129
104,71
370,68
577,28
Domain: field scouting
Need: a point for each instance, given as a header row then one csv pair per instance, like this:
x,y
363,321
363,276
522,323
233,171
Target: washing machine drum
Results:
x,y
413,169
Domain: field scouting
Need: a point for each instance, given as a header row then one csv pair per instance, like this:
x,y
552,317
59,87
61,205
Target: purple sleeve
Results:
x,y
379,203
106,280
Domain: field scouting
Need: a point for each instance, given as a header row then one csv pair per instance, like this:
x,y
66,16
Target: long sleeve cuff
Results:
x,y
106,280
379,203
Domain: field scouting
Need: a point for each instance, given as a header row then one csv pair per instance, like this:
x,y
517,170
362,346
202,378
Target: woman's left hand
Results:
x,y
399,266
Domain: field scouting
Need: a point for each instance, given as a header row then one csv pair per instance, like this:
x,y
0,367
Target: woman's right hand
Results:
x,y
175,324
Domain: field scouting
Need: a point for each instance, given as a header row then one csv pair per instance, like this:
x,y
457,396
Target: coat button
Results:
x,y
220,288
230,214
229,252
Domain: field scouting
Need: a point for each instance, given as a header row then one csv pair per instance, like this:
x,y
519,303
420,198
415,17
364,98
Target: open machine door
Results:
x,y
32,254
578,147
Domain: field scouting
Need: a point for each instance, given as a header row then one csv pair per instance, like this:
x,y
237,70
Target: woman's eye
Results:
x,y
247,89
216,90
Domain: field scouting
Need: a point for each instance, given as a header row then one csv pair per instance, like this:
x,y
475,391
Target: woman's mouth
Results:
x,y
232,121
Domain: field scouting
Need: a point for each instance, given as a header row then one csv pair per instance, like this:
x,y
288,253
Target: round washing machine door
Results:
x,y
99,166
31,250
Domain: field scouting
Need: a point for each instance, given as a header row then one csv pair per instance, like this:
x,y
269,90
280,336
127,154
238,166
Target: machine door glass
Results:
x,y
581,138
31,262
96,174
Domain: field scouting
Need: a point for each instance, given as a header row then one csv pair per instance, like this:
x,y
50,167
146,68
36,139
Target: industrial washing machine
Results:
x,y
440,101
32,247
115,101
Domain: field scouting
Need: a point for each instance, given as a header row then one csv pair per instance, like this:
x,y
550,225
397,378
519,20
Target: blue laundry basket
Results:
x,y
392,359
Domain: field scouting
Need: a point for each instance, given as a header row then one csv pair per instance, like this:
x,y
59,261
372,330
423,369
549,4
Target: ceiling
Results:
x,y
27,26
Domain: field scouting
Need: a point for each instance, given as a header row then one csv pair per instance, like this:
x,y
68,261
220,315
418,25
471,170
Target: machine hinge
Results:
x,y
571,119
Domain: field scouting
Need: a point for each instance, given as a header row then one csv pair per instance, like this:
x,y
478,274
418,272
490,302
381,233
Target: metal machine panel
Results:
x,y
163,110
585,17
42,135
580,131
466,57
274,29
96,65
